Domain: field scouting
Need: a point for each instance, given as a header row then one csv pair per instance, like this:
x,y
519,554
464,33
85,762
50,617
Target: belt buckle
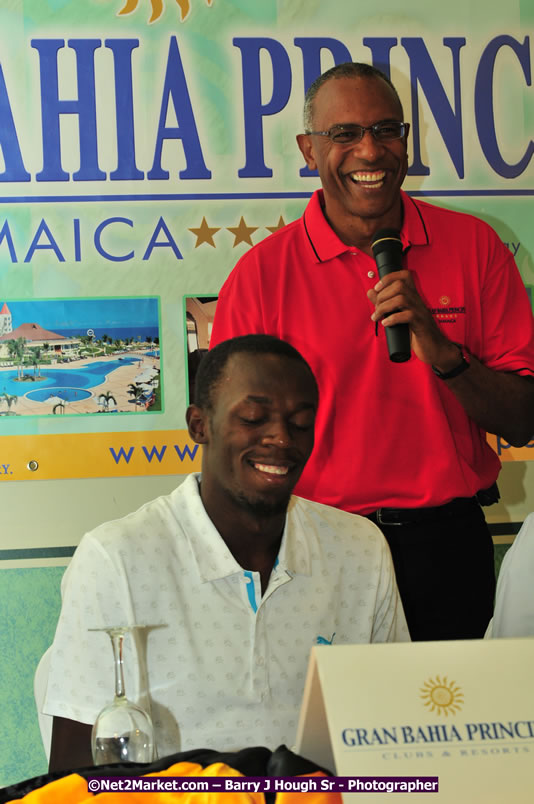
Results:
x,y
380,521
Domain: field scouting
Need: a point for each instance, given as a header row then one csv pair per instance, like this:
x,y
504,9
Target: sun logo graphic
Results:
x,y
442,696
157,8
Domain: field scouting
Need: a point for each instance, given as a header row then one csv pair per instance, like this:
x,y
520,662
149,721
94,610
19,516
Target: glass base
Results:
x,y
137,747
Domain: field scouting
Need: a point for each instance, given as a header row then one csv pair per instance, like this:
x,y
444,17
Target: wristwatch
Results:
x,y
461,367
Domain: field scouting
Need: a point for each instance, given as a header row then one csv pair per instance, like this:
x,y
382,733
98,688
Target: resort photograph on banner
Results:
x,y
80,356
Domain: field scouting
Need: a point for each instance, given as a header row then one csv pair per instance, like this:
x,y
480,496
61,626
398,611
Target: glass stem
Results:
x,y
117,640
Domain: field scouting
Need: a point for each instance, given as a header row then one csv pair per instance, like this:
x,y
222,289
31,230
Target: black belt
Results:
x,y
407,516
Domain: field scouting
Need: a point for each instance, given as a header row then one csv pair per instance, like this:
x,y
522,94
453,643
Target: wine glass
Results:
x,y
123,731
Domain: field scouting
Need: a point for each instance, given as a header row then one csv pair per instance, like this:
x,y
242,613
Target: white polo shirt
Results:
x,y
224,667
514,598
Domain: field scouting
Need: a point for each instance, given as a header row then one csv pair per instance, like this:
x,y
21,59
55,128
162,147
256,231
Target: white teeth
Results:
x,y
368,177
271,470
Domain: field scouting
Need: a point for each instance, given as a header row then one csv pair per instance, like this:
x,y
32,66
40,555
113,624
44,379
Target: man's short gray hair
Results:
x,y
349,69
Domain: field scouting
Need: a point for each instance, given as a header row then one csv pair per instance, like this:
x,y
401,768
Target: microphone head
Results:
x,y
386,240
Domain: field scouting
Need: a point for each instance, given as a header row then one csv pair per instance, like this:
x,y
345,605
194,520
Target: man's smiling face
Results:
x,y
259,432
363,179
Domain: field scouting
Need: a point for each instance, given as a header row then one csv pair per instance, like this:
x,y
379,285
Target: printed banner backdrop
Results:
x,y
146,144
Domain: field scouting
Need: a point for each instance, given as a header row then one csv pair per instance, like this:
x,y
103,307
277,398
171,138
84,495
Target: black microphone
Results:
x,y
387,250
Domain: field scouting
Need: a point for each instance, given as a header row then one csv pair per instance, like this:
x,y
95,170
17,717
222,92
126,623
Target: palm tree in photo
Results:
x,y
16,348
84,344
10,399
136,391
105,399
36,355
11,348
88,345
20,347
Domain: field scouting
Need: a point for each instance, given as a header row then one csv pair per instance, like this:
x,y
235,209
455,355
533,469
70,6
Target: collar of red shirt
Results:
x,y
326,245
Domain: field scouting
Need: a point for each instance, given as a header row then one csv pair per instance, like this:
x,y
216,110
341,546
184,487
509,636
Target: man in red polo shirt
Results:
x,y
403,443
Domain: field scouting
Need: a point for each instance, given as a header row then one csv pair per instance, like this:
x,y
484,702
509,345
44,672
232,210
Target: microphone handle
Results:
x,y
398,335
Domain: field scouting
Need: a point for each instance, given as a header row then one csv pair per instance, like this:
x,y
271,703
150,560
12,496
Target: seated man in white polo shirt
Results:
x,y
234,578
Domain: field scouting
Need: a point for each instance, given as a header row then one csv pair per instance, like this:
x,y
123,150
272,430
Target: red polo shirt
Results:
x,y
388,434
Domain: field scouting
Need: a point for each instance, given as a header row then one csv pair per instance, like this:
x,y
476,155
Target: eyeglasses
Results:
x,y
352,133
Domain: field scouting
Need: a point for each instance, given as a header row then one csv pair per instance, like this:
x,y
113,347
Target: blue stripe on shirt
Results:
x,y
251,591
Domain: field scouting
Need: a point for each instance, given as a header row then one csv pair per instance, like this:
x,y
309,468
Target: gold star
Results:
x,y
242,233
276,227
204,233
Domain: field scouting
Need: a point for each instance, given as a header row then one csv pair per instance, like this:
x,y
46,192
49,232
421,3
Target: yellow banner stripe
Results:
x,y
508,453
55,457
158,452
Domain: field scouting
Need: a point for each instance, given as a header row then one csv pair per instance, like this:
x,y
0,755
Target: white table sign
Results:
x,y
462,711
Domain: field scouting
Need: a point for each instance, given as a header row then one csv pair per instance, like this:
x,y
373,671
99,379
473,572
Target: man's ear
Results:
x,y
197,424
304,142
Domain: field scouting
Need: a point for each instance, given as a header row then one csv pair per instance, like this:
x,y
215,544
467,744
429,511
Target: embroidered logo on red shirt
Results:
x,y
447,313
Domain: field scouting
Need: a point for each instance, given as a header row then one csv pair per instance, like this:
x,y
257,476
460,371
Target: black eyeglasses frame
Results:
x,y
355,128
